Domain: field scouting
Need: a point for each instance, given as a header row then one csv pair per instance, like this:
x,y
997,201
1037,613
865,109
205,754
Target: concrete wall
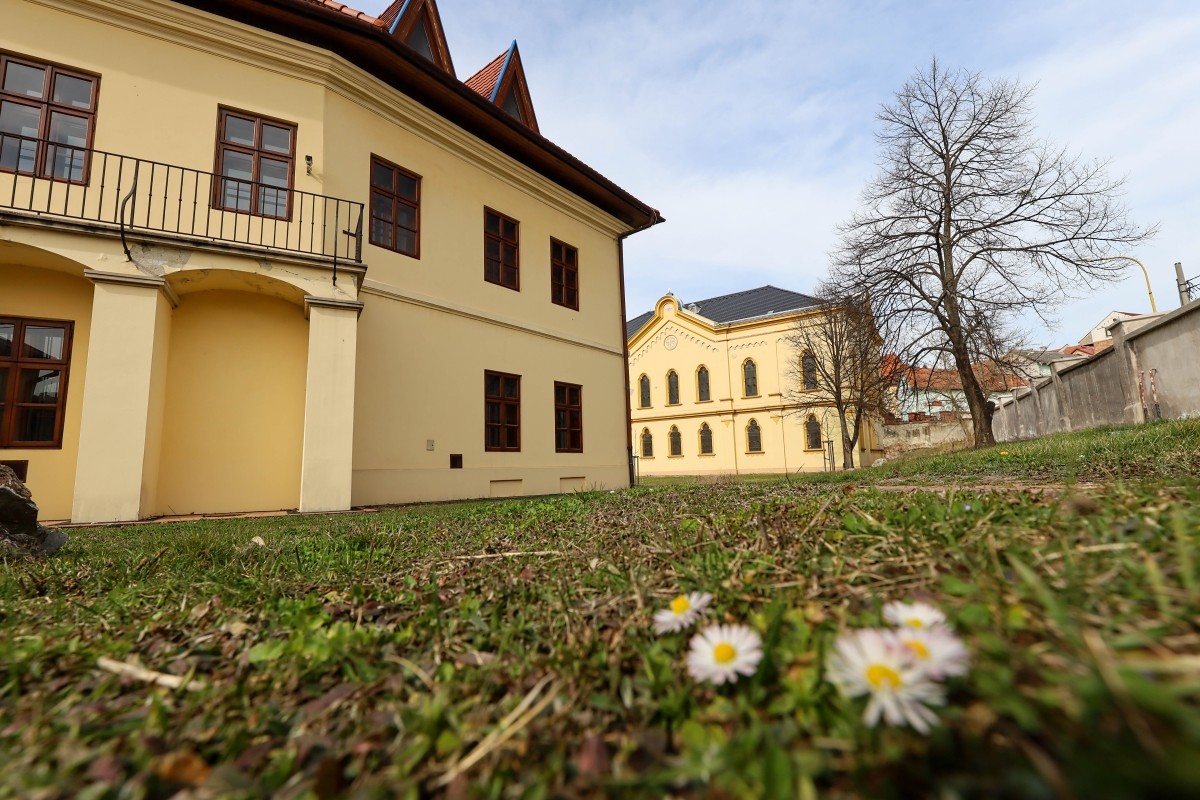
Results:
x,y
920,435
1149,358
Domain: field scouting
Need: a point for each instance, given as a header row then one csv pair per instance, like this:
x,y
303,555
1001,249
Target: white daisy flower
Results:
x,y
682,612
937,650
877,663
913,615
721,653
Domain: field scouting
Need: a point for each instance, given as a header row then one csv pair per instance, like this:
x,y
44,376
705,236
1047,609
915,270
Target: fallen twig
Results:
x,y
148,675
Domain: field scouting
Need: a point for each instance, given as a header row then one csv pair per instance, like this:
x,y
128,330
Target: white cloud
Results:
x,y
751,124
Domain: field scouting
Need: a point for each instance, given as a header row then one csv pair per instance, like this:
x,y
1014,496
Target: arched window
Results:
x,y
808,368
672,388
643,392
647,444
749,378
753,437
702,394
812,433
705,440
676,441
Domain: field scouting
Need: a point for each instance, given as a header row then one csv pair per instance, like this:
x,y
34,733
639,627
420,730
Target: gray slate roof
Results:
x,y
764,301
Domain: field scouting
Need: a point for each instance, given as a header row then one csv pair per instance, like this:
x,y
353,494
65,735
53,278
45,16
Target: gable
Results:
x,y
418,25
502,83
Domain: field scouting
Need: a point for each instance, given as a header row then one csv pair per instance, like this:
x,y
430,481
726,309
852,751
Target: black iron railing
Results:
x,y
135,195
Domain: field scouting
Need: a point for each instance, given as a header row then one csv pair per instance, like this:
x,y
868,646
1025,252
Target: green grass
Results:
x,y
504,649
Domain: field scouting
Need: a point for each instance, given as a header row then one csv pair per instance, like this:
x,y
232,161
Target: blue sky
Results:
x,y
750,124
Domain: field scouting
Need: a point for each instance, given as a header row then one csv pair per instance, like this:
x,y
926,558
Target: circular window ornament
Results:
x,y
670,342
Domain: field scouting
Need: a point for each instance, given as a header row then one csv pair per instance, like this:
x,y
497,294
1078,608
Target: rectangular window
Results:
x,y
34,356
395,208
255,156
502,411
500,250
564,274
47,118
568,418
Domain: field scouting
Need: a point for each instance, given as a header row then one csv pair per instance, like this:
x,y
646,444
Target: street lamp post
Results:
x,y
1149,290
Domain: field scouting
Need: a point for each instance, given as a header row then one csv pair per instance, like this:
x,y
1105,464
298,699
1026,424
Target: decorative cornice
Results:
x,y
330,302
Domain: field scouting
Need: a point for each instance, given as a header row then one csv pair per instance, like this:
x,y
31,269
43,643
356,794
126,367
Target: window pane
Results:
x,y
493,437
237,165
25,80
38,386
406,216
512,387
381,176
276,139
7,331
381,206
72,91
512,438
491,270
273,173
491,223
406,241
44,342
381,233
239,130
406,186
510,230
492,414
16,153
491,385
510,254
35,424
19,119
67,162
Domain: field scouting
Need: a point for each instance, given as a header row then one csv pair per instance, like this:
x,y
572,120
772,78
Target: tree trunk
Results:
x,y
847,445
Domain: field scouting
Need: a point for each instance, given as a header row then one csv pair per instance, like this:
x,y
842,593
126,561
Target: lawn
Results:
x,y
506,649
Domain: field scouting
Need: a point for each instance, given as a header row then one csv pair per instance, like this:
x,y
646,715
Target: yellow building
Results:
x,y
711,388
277,255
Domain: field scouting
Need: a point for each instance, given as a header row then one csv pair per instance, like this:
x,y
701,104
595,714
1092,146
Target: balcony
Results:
x,y
43,182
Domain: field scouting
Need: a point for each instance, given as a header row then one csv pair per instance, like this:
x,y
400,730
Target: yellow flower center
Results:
x,y
918,647
724,653
680,605
878,675
913,622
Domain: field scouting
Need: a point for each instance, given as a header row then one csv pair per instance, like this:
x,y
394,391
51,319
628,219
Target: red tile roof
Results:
x,y
348,11
484,81
391,12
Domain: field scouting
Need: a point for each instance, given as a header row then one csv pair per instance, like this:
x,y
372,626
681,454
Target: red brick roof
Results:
x,y
948,380
484,81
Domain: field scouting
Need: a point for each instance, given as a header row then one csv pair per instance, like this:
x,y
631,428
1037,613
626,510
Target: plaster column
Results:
x,y
1128,372
327,465
122,397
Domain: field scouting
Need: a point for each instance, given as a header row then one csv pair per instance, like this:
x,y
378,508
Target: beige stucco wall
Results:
x,y
724,349
61,294
431,321
234,418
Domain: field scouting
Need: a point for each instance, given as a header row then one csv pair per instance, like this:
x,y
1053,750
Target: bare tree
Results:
x,y
973,221
839,364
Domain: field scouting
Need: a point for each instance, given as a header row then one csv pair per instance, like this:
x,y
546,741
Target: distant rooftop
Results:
x,y
765,301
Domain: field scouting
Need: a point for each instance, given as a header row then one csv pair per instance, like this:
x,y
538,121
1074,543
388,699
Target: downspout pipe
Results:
x,y
655,218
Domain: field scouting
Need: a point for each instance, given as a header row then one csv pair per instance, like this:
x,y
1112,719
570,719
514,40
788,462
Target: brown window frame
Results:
x,y
256,152
564,274
706,442
647,443
502,268
568,418
14,363
502,402
393,196
47,107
